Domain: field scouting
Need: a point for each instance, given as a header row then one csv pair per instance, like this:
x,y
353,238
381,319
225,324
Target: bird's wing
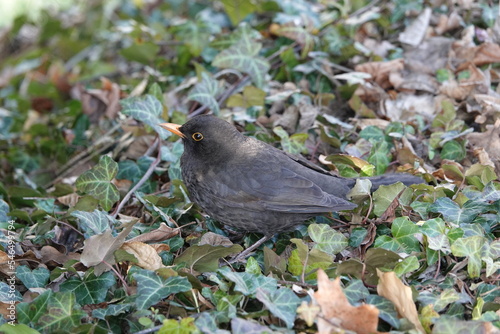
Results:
x,y
274,186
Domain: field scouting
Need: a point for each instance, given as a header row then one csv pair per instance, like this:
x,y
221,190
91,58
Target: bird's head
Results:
x,y
207,137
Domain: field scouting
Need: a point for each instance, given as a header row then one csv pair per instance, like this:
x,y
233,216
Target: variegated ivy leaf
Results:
x,y
148,110
97,182
243,57
206,91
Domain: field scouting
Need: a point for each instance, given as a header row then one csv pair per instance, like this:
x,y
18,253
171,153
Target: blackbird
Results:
x,y
255,187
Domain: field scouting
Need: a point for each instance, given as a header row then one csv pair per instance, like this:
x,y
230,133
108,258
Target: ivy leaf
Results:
x,y
384,195
379,156
408,265
36,278
327,239
453,150
62,314
302,259
30,313
90,289
144,53
147,109
452,212
237,11
296,33
194,34
97,182
294,144
206,91
247,283
111,310
151,288
387,310
205,258
471,248
242,56
282,303
93,223
403,237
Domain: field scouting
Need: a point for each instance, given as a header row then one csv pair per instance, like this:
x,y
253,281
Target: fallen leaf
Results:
x,y
146,255
98,249
50,254
162,233
391,287
380,70
335,308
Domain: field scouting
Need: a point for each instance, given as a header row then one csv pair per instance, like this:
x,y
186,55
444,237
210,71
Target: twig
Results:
x,y
149,330
144,178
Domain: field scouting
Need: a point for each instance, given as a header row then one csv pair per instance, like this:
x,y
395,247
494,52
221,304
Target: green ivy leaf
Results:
x,y
146,109
237,11
184,325
36,278
471,248
62,314
206,92
327,239
282,303
294,144
30,313
453,150
89,289
387,310
380,156
408,265
452,212
243,57
151,288
195,35
111,310
403,237
384,195
95,222
144,53
303,259
97,182
247,283
205,258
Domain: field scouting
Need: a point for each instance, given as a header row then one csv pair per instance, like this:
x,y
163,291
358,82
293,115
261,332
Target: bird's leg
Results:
x,y
241,256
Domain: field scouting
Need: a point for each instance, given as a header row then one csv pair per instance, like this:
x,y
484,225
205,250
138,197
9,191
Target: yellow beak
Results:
x,y
174,128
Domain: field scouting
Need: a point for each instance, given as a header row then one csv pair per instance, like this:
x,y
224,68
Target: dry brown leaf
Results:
x,y
486,53
490,141
380,71
447,23
160,247
50,254
161,233
336,309
99,102
5,267
69,200
99,249
391,287
214,239
416,31
146,255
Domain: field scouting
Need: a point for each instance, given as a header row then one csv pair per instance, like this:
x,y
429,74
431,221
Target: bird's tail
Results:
x,y
386,179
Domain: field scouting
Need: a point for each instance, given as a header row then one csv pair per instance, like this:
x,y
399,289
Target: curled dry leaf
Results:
x,y
69,200
380,71
146,255
391,287
99,249
160,234
336,309
50,254
490,141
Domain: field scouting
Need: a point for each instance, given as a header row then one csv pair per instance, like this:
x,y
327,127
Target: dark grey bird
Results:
x,y
252,186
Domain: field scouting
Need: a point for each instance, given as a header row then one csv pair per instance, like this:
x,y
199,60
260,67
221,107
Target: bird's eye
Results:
x,y
197,136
